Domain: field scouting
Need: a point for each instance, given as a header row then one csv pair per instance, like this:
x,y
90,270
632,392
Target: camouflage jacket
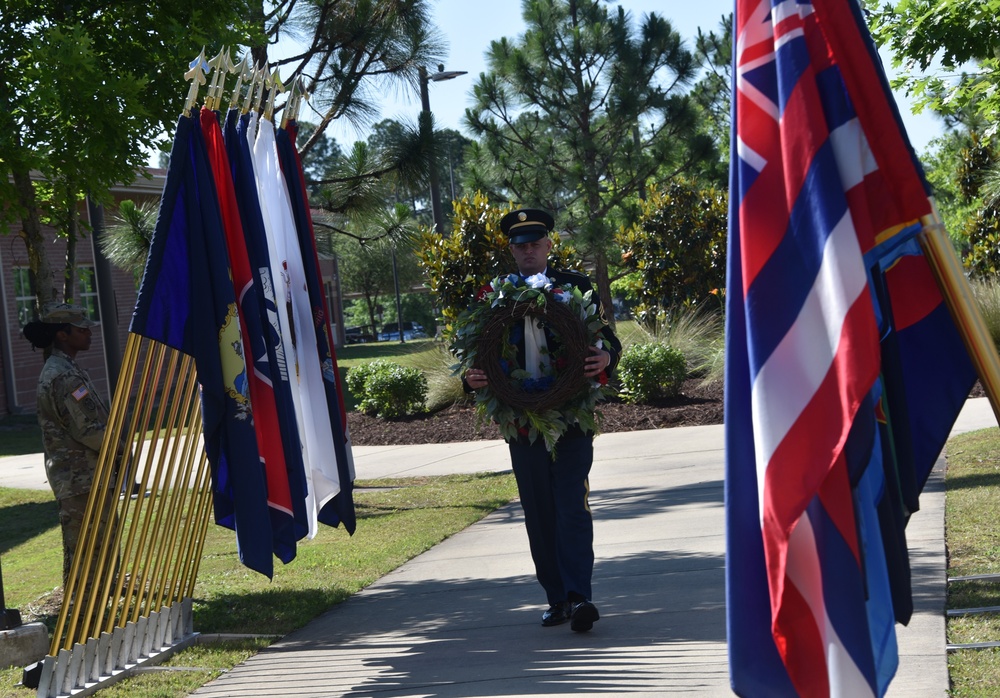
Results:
x,y
73,418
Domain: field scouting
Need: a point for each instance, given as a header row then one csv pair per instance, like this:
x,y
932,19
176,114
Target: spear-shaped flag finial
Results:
x,y
291,105
255,74
263,81
294,104
274,86
196,74
222,65
244,73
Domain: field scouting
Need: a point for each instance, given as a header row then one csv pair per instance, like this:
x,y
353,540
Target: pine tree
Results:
x,y
581,112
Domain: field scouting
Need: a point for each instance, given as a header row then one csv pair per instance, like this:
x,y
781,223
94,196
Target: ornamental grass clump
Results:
x,y
651,371
986,294
387,390
444,388
697,333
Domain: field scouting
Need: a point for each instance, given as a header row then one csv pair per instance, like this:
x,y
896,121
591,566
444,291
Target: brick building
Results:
x,y
107,292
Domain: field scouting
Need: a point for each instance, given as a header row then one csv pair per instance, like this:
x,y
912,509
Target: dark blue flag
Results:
x,y
241,161
265,422
341,508
186,301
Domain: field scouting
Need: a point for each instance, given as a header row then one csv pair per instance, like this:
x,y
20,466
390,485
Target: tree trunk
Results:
x,y
72,234
604,285
39,270
370,303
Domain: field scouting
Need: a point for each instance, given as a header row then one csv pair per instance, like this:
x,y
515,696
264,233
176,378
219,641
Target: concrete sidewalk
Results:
x,y
463,618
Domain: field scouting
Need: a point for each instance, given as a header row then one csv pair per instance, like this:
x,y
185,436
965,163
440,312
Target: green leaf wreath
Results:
x,y
486,337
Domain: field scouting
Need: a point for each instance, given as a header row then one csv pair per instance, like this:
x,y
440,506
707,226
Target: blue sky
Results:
x,y
468,28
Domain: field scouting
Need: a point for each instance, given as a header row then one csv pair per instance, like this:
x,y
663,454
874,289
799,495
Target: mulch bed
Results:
x,y
696,405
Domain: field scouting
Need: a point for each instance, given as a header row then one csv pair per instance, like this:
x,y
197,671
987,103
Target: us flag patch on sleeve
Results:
x,y
80,393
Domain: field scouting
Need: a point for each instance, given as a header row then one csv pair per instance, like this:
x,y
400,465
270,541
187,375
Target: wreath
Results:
x,y
547,401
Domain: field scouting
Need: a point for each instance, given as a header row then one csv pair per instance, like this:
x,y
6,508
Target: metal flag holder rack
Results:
x,y
133,609
131,605
104,660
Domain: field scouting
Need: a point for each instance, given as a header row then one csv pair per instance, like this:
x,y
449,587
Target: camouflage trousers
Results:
x,y
71,513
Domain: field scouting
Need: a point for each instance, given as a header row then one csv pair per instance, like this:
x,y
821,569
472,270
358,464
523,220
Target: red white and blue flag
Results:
x,y
826,196
270,442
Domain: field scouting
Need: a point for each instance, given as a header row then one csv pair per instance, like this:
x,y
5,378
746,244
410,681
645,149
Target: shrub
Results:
x,y
386,389
697,333
678,249
651,371
444,387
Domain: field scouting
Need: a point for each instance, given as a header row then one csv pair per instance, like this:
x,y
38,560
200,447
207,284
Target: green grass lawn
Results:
x,y
19,435
397,520
972,535
353,354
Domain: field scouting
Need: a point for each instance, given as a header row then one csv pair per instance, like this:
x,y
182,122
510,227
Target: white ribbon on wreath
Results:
x,y
536,362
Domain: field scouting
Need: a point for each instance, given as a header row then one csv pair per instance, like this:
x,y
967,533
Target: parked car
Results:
x,y
411,330
358,335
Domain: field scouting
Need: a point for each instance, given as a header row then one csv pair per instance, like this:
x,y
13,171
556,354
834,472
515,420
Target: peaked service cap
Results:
x,y
526,225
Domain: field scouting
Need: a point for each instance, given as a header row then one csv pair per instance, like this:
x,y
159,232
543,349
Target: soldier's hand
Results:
x,y
596,362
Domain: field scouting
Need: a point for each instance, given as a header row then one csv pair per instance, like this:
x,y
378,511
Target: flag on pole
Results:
x,y
186,301
298,329
265,417
239,129
824,193
341,508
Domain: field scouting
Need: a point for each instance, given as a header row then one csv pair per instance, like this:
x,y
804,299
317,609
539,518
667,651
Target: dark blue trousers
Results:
x,y
554,496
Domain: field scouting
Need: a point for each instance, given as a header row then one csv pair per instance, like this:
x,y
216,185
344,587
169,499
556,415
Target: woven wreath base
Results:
x,y
571,333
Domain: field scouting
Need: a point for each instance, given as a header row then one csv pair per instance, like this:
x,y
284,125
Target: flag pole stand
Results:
x,y
958,296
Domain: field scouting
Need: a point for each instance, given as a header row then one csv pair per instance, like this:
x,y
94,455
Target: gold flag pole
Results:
x,y
295,102
251,86
958,296
290,111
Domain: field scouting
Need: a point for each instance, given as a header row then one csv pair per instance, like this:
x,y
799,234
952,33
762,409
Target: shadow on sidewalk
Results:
x,y
461,629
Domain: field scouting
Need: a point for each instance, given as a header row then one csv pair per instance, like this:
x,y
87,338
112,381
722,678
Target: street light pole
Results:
x,y
399,305
425,105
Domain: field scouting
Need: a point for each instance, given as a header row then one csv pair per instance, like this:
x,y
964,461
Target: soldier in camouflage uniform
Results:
x,y
72,416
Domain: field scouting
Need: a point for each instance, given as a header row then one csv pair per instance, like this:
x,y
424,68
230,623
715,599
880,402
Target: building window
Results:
x,y
24,295
87,292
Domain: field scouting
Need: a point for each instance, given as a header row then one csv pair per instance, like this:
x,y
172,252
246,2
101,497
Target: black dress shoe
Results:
x,y
583,616
556,615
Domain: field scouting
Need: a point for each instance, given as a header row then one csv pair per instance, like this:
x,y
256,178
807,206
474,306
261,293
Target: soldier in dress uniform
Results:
x,y
554,490
72,415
